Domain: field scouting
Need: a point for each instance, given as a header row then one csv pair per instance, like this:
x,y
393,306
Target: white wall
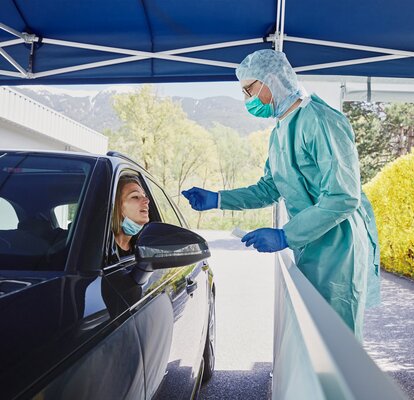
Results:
x,y
15,137
29,124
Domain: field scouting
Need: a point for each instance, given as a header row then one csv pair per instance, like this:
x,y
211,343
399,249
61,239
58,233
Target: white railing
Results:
x,y
316,356
35,117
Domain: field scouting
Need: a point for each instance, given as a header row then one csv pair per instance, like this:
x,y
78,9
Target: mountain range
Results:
x,y
95,110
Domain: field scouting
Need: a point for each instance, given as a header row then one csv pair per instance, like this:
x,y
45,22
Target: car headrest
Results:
x,y
35,226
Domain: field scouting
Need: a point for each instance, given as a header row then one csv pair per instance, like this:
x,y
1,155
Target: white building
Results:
x,y
336,89
27,124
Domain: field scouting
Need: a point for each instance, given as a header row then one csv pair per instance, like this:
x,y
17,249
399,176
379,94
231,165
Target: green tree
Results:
x,y
193,151
399,123
232,155
372,143
147,124
157,133
258,145
383,132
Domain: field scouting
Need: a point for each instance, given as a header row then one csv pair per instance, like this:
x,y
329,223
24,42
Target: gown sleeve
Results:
x,y
332,148
262,194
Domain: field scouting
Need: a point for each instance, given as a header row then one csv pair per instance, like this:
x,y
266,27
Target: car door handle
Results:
x,y
191,286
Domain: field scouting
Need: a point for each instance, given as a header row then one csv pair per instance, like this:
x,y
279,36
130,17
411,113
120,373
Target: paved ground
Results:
x,y
389,331
245,286
244,311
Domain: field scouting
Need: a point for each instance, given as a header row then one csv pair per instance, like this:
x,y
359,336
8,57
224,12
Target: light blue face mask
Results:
x,y
255,107
130,227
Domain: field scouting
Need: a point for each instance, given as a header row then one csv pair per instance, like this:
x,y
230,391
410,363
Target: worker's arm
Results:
x,y
262,194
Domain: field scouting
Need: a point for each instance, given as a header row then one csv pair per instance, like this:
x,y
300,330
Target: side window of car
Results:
x,y
64,214
9,218
131,198
165,208
33,235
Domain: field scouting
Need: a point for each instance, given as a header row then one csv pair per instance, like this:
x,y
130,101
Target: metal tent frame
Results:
x,y
130,55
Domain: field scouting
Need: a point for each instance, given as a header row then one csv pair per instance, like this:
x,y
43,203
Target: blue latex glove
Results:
x,y
266,240
201,199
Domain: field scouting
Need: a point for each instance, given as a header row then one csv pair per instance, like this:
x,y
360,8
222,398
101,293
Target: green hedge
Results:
x,y
391,193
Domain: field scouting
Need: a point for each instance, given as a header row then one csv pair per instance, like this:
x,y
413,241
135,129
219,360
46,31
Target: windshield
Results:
x,y
40,197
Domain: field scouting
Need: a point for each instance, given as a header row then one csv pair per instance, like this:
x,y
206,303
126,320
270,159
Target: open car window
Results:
x,y
43,193
165,208
116,253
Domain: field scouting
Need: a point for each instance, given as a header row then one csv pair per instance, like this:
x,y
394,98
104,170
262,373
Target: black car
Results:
x,y
78,321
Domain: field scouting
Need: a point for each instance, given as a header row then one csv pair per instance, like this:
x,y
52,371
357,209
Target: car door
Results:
x,y
110,365
169,307
187,289
68,334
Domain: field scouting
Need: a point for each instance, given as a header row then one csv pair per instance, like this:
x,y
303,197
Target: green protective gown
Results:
x,y
313,165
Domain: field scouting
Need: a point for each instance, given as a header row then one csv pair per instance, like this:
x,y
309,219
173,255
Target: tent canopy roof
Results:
x,y
107,41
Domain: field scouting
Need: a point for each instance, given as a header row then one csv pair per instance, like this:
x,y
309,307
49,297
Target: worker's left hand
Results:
x,y
266,240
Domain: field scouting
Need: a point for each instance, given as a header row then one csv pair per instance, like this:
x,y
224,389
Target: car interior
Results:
x,y
32,235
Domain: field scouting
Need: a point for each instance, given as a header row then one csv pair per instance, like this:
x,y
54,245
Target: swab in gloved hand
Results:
x,y
238,233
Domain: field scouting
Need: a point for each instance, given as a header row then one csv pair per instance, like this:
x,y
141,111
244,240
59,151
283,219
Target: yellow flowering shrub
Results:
x,y
391,193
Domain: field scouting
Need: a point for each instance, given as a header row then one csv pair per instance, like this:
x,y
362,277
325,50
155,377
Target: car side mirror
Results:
x,y
161,245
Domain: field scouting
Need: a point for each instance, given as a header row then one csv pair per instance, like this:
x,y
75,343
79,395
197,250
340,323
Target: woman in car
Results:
x,y
131,213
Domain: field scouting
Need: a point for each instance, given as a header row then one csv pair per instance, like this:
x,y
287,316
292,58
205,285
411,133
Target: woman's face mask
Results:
x,y
257,108
130,227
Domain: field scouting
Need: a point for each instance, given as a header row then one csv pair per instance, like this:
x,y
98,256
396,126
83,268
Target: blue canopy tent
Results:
x,y
108,41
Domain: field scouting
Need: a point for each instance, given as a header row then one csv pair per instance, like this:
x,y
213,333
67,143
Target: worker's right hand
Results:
x,y
201,199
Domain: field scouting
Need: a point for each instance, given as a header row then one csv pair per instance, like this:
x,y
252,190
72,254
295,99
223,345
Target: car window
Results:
x,y
40,189
8,218
165,208
131,211
64,214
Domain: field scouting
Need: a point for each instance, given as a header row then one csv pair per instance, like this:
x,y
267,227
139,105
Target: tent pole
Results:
x,y
27,37
11,42
11,31
282,27
223,44
342,96
12,61
369,93
278,15
349,46
123,60
349,62
205,62
147,53
12,73
275,38
136,55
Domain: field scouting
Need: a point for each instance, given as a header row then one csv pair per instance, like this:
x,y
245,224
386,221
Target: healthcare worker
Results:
x,y
313,166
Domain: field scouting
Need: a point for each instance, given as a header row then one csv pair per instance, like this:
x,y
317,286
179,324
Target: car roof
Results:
x,y
116,158
51,152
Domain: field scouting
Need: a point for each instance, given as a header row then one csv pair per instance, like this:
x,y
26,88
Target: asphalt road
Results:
x,y
244,311
389,331
244,315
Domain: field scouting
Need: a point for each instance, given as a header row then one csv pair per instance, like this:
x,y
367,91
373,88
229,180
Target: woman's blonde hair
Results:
x,y
117,214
